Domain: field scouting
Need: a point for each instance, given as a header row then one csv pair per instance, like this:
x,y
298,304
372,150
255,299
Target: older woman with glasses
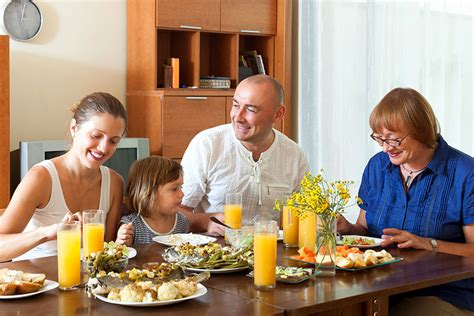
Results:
x,y
418,193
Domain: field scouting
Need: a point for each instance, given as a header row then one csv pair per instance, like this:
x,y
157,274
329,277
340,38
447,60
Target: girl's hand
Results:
x,y
404,239
125,234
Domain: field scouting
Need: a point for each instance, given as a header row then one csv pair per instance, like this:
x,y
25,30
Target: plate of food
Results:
x,y
200,291
289,274
131,252
177,239
158,283
18,284
211,257
359,241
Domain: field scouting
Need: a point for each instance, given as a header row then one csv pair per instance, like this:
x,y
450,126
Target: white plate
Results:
x,y
176,239
201,290
217,271
47,286
132,252
377,241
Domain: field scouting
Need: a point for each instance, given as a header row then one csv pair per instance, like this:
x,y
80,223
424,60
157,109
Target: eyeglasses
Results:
x,y
389,141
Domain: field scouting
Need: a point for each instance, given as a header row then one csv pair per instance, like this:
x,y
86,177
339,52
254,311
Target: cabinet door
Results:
x,y
184,117
249,16
188,14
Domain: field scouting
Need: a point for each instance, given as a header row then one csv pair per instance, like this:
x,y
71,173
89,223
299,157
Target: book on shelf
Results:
x,y
260,65
174,63
254,61
213,82
167,76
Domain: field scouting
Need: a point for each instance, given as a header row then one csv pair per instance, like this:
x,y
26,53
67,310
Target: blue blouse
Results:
x,y
439,202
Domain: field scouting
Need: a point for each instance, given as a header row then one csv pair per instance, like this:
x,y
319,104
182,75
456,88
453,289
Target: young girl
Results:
x,y
64,186
154,190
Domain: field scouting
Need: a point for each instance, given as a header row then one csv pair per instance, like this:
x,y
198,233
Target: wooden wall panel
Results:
x,y
4,121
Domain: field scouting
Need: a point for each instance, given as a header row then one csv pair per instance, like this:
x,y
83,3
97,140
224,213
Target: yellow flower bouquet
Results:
x,y
326,200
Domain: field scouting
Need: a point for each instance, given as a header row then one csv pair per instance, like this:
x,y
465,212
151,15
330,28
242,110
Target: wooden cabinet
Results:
x,y
4,121
189,14
214,36
184,117
249,16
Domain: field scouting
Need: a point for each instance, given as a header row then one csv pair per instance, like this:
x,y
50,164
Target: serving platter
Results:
x,y
201,290
47,286
176,239
395,259
376,241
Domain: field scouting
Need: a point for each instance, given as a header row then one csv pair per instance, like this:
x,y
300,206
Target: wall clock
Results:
x,y
22,19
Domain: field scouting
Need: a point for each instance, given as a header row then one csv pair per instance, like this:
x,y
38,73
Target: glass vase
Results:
x,y
325,260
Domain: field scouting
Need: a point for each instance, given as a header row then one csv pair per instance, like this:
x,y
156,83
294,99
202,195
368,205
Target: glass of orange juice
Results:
x,y
307,231
290,227
233,210
93,231
69,255
265,254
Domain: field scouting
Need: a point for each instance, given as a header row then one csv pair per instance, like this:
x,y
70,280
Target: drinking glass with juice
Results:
x,y
93,231
307,232
233,210
69,255
290,228
265,254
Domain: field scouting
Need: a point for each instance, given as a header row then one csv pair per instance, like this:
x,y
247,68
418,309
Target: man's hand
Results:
x,y
214,229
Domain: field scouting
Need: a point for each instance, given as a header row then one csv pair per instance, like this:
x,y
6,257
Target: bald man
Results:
x,y
247,156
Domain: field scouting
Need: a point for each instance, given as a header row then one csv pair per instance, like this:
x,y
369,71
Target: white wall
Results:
x,y
80,49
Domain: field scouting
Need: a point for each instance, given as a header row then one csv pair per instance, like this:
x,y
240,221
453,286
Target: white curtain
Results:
x,y
351,53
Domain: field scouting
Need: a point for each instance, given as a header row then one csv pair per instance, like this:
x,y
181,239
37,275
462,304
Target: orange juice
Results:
x,y
307,232
69,258
265,253
93,238
290,228
233,215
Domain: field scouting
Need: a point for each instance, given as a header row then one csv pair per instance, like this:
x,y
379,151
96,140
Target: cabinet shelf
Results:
x,y
208,37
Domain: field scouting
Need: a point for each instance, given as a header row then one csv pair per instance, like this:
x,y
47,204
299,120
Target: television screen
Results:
x,y
128,150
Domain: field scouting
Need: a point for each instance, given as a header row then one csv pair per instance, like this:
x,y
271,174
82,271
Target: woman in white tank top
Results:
x,y
59,189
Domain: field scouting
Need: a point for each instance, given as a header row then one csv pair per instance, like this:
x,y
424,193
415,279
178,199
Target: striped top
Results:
x,y
439,202
144,234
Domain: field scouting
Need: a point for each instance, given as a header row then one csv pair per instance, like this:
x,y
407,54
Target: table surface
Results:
x,y
234,293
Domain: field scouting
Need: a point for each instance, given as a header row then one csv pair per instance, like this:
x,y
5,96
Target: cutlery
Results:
x,y
216,220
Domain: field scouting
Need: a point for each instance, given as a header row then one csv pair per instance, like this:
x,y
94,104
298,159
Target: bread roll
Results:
x,y
344,263
7,289
20,281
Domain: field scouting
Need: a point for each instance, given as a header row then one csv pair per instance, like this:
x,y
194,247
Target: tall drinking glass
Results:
x,y
93,231
265,254
307,232
290,228
69,255
233,210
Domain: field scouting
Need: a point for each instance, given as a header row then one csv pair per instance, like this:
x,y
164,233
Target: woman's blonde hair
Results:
x,y
406,110
145,178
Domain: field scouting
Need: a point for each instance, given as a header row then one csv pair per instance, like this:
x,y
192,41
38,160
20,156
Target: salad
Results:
x,y
357,241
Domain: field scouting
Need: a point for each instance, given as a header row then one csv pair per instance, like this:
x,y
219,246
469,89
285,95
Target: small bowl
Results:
x,y
240,237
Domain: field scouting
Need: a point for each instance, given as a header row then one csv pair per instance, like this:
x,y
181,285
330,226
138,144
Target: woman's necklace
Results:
x,y
411,175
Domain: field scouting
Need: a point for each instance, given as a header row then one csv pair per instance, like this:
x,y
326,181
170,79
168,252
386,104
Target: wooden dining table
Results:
x,y
364,292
